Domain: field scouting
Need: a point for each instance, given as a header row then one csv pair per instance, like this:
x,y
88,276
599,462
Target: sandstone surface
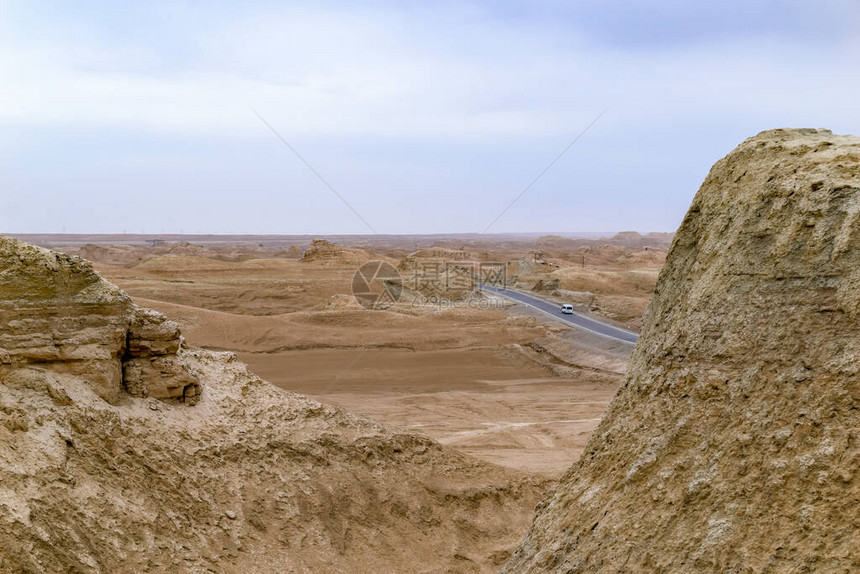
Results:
x,y
323,252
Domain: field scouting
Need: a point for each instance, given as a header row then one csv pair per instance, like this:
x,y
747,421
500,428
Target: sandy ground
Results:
x,y
478,400
503,385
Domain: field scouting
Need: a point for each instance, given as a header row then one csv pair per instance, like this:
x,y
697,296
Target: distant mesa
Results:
x,y
323,252
132,254
628,239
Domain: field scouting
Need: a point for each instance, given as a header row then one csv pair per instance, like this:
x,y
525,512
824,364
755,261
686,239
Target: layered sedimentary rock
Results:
x,y
57,313
734,444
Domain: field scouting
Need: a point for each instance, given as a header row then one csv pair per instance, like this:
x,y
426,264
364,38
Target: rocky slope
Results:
x,y
733,444
101,473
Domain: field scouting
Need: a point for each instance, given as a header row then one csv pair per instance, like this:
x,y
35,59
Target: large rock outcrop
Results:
x,y
56,313
734,444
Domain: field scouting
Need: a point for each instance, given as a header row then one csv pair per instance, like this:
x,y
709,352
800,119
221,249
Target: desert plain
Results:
x,y
496,380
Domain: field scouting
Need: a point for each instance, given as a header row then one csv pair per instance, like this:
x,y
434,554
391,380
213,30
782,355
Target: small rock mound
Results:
x,y
341,302
734,444
323,252
546,285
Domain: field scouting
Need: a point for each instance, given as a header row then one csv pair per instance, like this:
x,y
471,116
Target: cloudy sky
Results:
x,y
424,116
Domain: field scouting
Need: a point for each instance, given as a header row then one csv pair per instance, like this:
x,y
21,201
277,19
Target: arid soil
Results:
x,y
498,383
486,405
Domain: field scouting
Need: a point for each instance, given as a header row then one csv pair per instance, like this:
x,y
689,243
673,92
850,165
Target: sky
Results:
x,y
403,117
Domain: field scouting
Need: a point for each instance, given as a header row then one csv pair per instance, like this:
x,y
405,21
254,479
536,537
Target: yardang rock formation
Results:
x,y
733,444
57,313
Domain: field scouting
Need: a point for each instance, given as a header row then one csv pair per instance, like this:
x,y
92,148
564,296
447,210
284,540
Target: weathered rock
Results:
x,y
733,444
57,313
166,377
323,252
152,334
546,285
252,479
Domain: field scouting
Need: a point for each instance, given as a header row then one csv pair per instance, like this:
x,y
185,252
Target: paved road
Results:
x,y
575,319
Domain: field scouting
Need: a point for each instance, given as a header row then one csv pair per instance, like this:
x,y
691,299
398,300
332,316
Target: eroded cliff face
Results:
x,y
733,444
57,314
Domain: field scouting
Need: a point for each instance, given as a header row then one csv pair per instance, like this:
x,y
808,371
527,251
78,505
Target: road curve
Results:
x,y
575,319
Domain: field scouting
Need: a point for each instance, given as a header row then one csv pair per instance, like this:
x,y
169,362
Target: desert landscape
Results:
x,y
180,406
429,288
494,379
484,403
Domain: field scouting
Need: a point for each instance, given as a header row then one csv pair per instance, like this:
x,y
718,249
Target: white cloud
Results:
x,y
455,74
330,75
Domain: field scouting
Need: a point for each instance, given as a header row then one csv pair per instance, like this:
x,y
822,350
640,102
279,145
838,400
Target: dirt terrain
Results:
x,y
498,383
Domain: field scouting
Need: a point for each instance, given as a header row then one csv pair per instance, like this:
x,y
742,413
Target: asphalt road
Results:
x,y
575,319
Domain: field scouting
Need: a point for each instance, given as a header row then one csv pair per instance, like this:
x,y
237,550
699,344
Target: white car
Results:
x,y
567,309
